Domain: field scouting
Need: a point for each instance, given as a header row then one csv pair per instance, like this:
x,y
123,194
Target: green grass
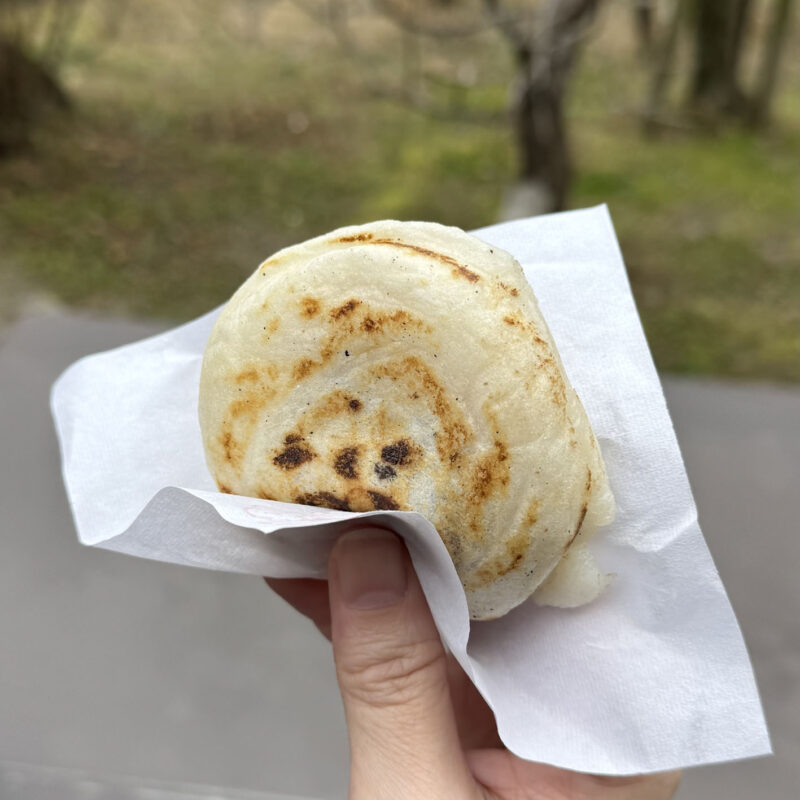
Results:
x,y
179,173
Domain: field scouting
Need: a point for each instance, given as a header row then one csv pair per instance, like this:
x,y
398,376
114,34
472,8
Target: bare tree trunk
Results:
x,y
542,140
644,21
663,67
719,40
544,66
709,88
26,89
765,84
739,20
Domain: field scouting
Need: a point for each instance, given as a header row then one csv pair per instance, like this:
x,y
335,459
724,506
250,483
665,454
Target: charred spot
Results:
x,y
510,321
292,438
293,456
346,463
385,472
355,405
356,237
345,310
310,306
369,325
323,500
382,502
225,489
397,453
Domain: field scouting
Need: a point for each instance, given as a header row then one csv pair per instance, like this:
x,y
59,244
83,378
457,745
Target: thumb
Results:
x,y
391,668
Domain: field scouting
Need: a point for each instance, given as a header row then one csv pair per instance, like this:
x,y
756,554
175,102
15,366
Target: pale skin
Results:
x,y
417,726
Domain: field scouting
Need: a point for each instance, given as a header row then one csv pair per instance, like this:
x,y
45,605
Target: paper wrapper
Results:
x,y
654,675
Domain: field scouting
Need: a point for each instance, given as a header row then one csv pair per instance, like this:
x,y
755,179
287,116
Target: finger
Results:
x,y
308,596
392,673
508,776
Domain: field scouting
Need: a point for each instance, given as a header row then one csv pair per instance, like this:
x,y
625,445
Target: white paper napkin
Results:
x,y
652,676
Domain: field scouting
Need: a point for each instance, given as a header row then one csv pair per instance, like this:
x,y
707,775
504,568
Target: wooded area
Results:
x,y
151,153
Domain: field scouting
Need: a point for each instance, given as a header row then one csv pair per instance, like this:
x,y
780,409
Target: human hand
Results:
x,y
418,728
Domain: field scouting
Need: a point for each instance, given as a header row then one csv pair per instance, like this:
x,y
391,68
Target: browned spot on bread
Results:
x,y
247,375
584,508
516,548
458,269
292,438
398,454
231,448
303,368
249,403
512,290
264,495
346,463
310,307
509,320
359,500
343,329
559,390
356,237
224,489
532,514
491,473
323,500
270,262
272,326
378,322
384,472
335,404
453,432
382,502
293,456
346,309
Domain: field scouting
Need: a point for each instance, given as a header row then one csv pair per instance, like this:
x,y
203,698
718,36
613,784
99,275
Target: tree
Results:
x,y
544,60
33,42
759,107
543,38
721,34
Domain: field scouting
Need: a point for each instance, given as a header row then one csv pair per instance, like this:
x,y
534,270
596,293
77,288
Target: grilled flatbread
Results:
x,y
406,366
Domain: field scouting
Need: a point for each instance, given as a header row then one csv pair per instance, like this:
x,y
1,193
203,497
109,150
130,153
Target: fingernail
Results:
x,y
371,569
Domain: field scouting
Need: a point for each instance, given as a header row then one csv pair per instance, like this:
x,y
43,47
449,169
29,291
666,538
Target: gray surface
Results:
x,y
113,666
120,666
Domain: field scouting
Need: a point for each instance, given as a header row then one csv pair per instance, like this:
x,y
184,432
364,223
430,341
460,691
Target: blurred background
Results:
x,y
153,152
